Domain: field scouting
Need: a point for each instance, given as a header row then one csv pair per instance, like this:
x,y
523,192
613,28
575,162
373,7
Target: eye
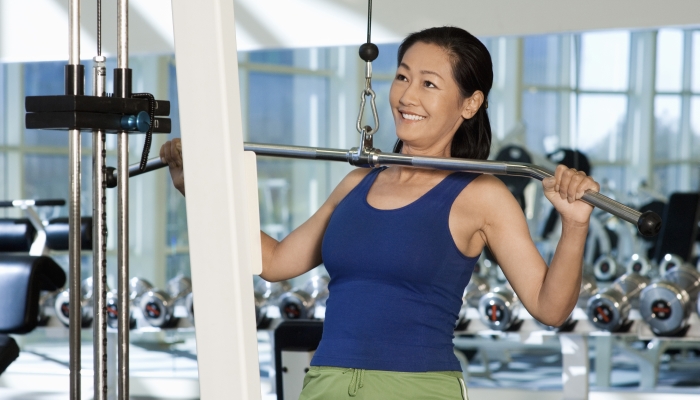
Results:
x,y
429,84
400,77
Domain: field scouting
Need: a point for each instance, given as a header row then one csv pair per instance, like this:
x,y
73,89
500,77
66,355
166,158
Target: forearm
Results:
x,y
561,286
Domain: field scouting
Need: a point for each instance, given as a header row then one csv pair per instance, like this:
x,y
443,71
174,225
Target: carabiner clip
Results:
x,y
368,92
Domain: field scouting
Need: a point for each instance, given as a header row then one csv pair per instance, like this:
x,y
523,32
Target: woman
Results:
x,y
400,243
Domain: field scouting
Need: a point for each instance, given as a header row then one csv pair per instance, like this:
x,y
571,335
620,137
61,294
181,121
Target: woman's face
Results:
x,y
426,101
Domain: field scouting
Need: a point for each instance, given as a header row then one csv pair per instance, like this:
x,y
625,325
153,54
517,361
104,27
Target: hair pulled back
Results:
x,y
472,70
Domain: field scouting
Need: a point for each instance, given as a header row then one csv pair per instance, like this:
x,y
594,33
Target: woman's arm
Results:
x,y
548,293
300,251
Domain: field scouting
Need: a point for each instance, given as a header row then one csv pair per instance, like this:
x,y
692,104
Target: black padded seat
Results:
x,y
16,235
21,280
57,233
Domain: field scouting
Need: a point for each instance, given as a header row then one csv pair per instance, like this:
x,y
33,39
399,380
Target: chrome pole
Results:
x,y
99,230
74,87
122,89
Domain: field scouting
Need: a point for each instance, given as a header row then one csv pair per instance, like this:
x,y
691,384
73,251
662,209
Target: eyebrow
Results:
x,y
424,71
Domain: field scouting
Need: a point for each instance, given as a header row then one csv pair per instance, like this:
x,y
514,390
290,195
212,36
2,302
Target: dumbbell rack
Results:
x,y
574,347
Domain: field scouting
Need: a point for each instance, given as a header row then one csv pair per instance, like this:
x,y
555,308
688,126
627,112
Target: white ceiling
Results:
x,y
33,30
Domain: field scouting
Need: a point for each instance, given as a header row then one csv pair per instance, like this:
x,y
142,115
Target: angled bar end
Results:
x,y
649,224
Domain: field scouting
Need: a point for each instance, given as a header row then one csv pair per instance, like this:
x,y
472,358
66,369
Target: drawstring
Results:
x,y
356,382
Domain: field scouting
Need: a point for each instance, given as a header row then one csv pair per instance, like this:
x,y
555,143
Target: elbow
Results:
x,y
555,318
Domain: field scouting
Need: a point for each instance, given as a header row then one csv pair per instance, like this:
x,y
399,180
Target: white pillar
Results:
x,y
212,137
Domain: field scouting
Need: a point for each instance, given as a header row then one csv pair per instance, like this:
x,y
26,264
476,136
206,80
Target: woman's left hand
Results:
x,y
564,189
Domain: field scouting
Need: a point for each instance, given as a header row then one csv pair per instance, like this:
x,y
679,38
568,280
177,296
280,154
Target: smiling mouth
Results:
x,y
412,117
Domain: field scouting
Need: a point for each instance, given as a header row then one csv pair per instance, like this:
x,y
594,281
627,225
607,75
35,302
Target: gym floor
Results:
x,y
165,367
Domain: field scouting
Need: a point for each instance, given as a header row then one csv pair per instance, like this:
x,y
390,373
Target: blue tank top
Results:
x,y
397,280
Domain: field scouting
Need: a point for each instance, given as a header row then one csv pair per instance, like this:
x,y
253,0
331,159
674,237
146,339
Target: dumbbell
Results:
x,y
606,269
301,303
639,264
500,276
476,288
482,268
46,303
267,294
669,261
498,309
609,308
158,306
586,291
62,304
668,302
137,287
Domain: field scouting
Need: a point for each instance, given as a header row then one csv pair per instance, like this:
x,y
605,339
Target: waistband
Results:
x,y
358,375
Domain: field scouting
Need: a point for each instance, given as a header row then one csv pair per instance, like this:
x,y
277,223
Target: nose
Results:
x,y
410,96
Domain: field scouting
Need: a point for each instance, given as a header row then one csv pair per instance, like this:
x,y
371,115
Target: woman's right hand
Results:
x,y
171,154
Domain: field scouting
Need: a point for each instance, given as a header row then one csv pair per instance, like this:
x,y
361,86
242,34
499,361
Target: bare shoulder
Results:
x,y
484,196
348,183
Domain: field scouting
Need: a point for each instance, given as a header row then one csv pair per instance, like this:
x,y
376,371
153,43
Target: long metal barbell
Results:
x,y
648,223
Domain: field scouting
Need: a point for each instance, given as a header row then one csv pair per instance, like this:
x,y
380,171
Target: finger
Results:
x,y
587,184
557,176
162,151
574,184
168,156
564,175
175,152
548,184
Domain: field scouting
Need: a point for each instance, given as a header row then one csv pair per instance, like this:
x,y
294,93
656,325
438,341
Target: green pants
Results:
x,y
331,383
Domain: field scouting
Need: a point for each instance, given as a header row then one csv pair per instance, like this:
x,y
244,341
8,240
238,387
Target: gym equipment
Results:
x,y
301,303
609,308
499,308
158,307
668,302
648,223
668,262
606,269
482,268
295,343
267,294
9,351
587,290
57,233
476,288
639,264
678,235
17,235
500,276
22,278
516,185
112,304
64,310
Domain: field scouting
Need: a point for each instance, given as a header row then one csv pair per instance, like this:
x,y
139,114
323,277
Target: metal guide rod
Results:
x,y
99,230
73,86
122,89
648,223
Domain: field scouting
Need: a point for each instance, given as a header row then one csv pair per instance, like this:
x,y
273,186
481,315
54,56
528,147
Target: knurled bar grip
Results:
x,y
648,223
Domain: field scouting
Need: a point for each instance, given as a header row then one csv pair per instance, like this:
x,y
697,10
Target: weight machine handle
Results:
x,y
648,223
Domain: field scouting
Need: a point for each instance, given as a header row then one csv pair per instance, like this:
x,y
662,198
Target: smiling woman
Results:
x,y
392,307
454,70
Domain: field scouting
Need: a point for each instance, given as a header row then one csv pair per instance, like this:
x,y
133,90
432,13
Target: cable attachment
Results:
x,y
368,52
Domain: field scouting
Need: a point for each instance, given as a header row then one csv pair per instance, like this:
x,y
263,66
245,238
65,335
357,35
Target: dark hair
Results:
x,y
472,70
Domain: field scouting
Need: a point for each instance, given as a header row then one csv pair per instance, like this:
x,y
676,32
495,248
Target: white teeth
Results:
x,y
412,117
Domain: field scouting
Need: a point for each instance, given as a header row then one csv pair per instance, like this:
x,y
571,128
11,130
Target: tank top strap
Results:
x,y
447,191
365,184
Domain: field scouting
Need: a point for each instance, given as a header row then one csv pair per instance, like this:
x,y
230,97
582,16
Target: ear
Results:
x,y
471,105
